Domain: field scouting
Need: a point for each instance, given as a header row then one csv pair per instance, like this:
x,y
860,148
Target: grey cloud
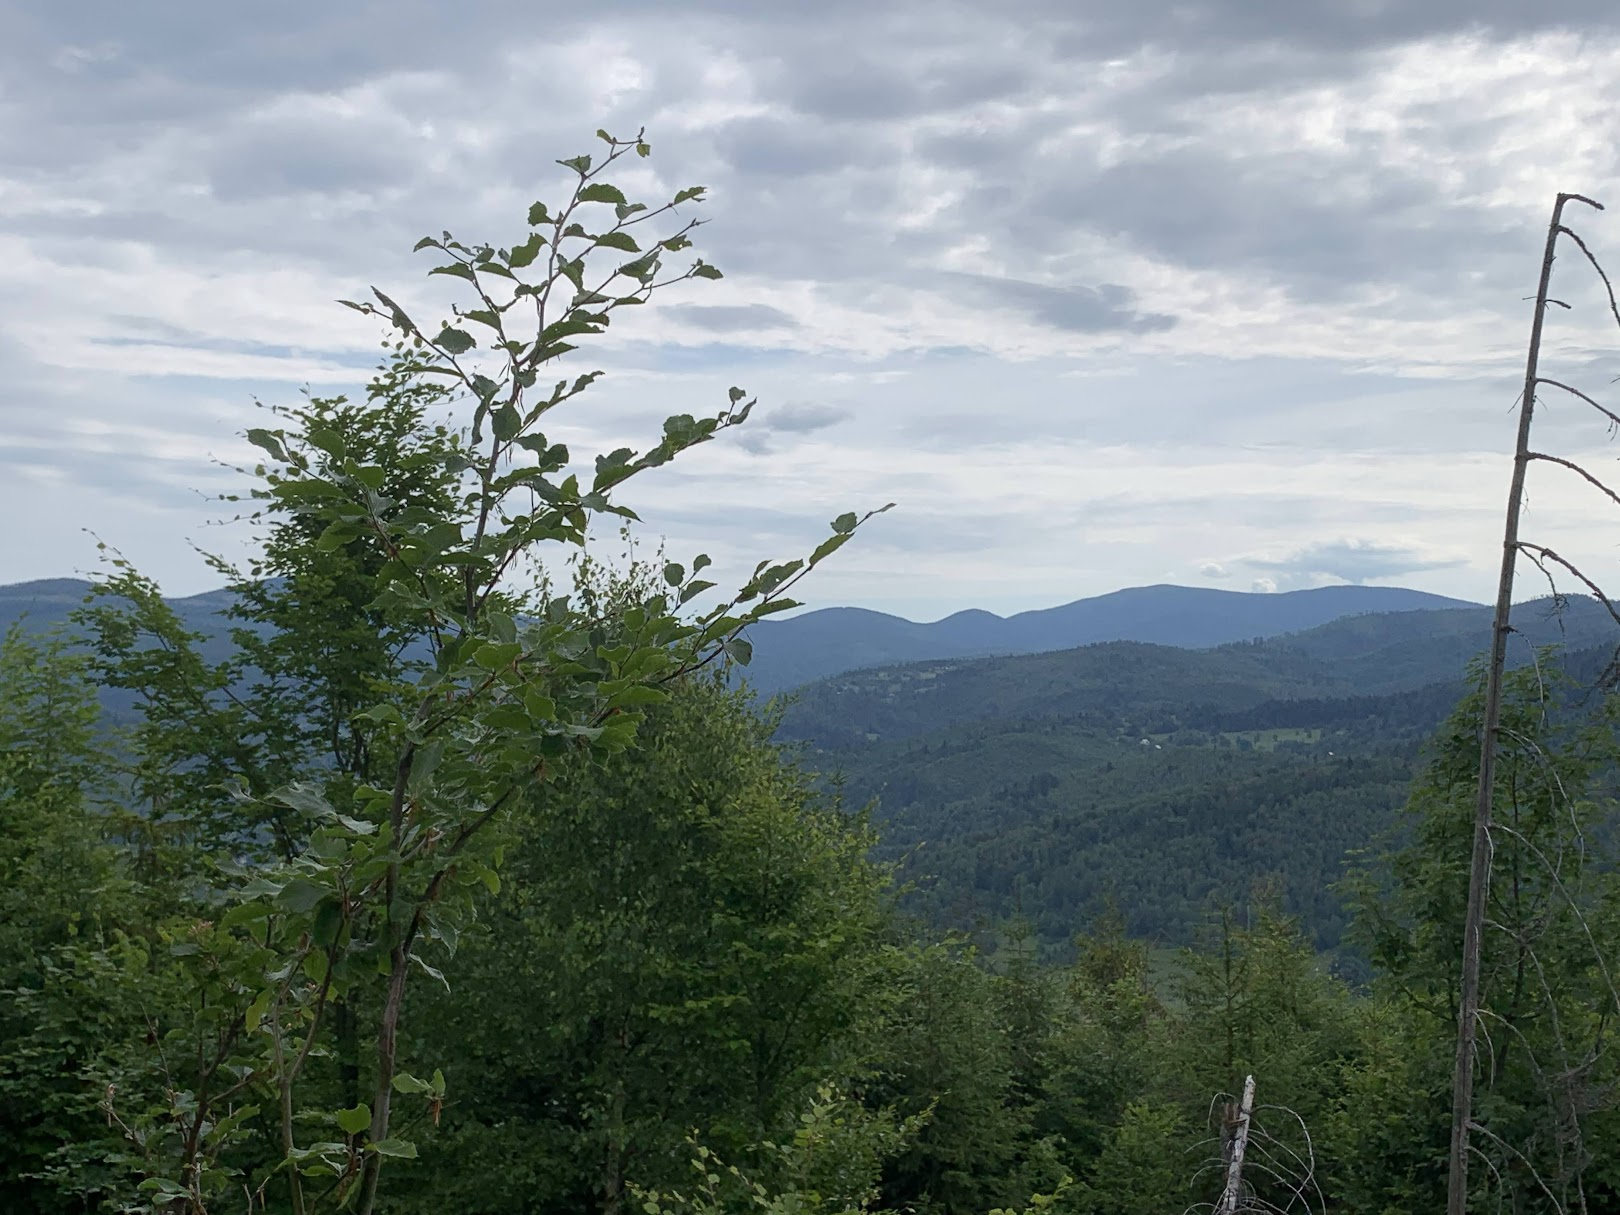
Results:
x,y
724,318
308,158
1077,309
1334,25
802,417
783,147
793,418
1356,561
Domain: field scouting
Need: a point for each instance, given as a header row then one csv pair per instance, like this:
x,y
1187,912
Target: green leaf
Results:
x,y
739,650
355,1120
382,713
267,440
328,441
829,546
403,1149
456,341
300,895
524,254
338,533
618,240
328,923
494,657
407,1083
456,270
303,796
601,192
506,422
674,573
539,215
502,626
257,1009
426,760
845,523
704,270
579,164
642,269
689,193
244,913
638,696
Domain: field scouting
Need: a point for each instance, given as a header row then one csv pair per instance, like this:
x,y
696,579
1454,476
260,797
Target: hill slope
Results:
x,y
817,644
1159,777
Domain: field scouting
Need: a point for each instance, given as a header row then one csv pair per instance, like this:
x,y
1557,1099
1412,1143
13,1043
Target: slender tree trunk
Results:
x,y
1462,1093
1236,1147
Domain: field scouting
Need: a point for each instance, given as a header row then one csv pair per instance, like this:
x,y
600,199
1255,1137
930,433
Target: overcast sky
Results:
x,y
1225,293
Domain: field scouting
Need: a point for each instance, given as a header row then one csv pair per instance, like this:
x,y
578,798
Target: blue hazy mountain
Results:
x,y
829,641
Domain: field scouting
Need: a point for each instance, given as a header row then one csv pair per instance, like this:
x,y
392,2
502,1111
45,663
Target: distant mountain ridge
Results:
x,y
829,641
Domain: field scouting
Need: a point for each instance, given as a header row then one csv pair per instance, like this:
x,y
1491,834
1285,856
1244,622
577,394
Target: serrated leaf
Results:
x,y
328,441
524,254
300,895
538,214
638,696
355,1120
502,626
328,923
270,442
506,422
618,240
302,796
456,341
739,650
693,589
257,1009
456,270
601,192
829,546
494,657
244,913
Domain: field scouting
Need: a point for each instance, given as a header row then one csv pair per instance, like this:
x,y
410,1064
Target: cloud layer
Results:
x,y
1100,294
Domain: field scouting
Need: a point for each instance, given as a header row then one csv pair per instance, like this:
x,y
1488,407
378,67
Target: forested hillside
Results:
x,y
1155,779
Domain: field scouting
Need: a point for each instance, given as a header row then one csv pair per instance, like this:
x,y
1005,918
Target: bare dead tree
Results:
x,y
1263,1172
1545,559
